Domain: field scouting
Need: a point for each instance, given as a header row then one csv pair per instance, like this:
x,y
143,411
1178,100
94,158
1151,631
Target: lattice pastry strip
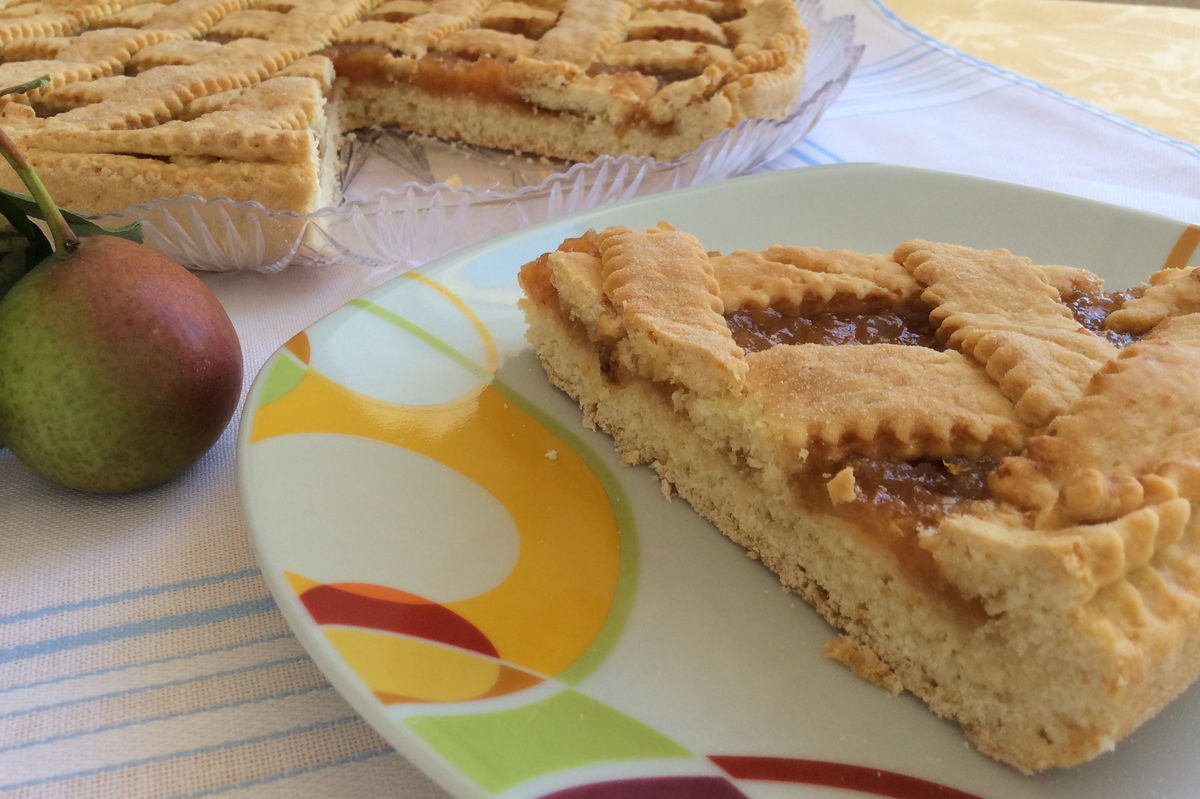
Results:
x,y
247,22
765,28
1070,279
661,57
61,74
174,52
877,269
884,401
157,95
192,18
418,35
489,43
398,10
584,32
39,49
1002,311
1086,468
1170,292
1013,569
676,24
135,16
264,122
38,26
110,48
520,19
579,287
673,327
752,280
719,10
311,25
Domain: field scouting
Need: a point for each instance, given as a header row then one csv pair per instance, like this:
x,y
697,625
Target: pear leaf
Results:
x,y
38,245
79,223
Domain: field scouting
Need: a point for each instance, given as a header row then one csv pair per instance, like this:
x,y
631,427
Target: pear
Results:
x,y
118,367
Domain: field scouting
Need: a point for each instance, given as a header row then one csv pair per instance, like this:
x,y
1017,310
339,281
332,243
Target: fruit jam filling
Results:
x,y
854,322
903,493
1091,310
919,492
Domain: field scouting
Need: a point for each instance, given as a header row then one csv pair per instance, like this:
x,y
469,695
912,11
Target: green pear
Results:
x,y
118,367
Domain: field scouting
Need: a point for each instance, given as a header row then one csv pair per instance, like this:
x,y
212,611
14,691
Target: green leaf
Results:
x,y
79,223
38,246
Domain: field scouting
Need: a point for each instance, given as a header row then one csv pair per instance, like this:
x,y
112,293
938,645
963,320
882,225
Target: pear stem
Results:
x,y
64,238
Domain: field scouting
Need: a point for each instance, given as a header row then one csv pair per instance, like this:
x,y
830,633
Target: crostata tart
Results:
x,y
981,470
249,98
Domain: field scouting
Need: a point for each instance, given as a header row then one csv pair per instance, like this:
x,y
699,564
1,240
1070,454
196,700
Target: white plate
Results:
x,y
408,199
520,616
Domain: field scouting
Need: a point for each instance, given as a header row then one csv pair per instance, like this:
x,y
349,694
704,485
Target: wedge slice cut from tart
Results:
x,y
982,471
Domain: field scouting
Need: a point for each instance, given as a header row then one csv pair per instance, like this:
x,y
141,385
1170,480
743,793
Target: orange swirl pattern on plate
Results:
x,y
538,620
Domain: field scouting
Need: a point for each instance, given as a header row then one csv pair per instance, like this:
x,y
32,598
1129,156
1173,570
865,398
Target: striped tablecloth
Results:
x,y
140,653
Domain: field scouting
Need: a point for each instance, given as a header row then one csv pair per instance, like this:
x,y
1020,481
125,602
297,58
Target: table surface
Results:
x,y
140,652
1142,62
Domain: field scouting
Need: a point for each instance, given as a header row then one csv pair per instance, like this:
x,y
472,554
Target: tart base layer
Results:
x,y
1036,685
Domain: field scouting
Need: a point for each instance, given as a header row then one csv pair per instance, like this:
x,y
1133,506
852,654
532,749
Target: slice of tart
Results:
x,y
982,471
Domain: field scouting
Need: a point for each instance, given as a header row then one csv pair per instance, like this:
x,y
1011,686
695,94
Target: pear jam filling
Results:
x,y
846,322
1092,308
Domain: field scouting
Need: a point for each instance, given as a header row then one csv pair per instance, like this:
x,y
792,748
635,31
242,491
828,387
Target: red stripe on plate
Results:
x,y
835,775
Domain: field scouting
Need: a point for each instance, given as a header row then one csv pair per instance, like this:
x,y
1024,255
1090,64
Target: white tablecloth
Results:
x,y
140,653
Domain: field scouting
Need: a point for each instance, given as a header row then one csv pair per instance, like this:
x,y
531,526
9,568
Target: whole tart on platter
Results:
x,y
982,470
249,98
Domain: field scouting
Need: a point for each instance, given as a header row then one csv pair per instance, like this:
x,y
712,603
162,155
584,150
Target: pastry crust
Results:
x,y
999,520
136,88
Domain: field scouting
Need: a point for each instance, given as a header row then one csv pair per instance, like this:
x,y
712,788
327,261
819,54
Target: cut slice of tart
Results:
x,y
982,471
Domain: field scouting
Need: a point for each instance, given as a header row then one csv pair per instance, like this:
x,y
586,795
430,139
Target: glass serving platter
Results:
x,y
408,198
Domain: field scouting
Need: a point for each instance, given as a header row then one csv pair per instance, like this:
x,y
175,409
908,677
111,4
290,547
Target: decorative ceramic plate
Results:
x,y
522,617
410,198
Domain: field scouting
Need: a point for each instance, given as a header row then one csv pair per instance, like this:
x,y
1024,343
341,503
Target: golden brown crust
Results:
x,y
1081,557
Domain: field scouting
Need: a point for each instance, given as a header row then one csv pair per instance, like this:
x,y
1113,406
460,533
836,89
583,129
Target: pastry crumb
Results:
x,y
841,487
